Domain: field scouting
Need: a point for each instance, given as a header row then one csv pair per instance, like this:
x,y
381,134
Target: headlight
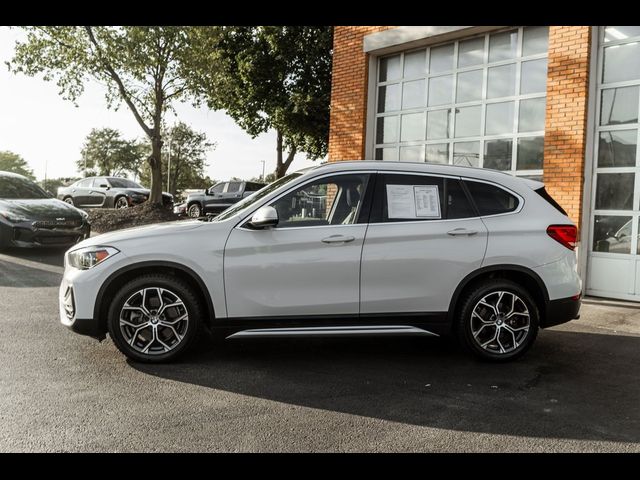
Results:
x,y
89,257
13,217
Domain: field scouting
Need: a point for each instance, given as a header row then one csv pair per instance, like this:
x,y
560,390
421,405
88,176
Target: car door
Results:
x,y
232,194
309,264
81,192
98,192
213,198
424,237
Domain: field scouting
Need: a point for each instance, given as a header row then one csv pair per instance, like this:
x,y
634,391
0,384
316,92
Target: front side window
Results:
x,y
121,183
335,200
490,199
403,197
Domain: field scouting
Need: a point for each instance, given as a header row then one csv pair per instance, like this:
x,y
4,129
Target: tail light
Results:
x,y
567,235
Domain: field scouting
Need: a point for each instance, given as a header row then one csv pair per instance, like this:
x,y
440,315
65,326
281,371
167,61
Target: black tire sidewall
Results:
x,y
169,283
115,203
72,202
463,325
196,205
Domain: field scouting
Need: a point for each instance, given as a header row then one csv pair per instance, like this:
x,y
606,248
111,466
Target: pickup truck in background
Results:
x,y
219,197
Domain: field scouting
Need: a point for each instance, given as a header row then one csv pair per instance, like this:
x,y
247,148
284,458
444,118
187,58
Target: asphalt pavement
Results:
x,y
577,390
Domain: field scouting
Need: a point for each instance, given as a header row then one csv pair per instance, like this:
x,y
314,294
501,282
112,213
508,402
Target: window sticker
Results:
x,y
413,201
427,201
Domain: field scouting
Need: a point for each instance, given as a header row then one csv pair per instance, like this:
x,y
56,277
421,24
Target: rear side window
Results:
x,y
86,183
234,187
491,200
544,194
402,198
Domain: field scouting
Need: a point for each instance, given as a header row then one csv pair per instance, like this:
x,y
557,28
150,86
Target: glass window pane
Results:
x,y
389,68
535,40
466,153
437,153
491,200
497,154
415,64
617,149
531,118
619,105
612,34
441,59
502,46
413,153
614,191
499,118
533,78
501,81
471,52
456,202
389,98
468,121
386,154
469,86
612,233
530,155
438,124
440,90
413,94
621,62
387,130
413,127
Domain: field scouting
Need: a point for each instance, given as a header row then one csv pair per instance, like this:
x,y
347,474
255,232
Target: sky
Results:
x,y
48,132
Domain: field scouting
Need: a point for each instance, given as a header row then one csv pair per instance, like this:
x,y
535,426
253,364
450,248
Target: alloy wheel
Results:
x,y
154,321
500,322
194,211
122,203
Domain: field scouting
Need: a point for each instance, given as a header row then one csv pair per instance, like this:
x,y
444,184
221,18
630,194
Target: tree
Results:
x,y
185,157
143,67
107,153
52,184
269,77
12,162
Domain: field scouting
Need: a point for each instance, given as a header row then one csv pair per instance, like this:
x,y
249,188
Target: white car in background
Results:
x,y
346,248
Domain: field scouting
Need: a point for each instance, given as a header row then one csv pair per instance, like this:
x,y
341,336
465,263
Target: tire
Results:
x,y
69,200
167,343
194,210
121,202
497,338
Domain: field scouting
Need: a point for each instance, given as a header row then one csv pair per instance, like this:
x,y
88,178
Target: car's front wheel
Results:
x,y
498,320
194,210
122,202
154,318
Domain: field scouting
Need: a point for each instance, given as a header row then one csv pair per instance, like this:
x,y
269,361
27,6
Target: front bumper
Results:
x,y
30,234
562,310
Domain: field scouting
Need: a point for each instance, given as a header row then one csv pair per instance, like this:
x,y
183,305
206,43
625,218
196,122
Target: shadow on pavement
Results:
x,y
21,276
570,385
48,256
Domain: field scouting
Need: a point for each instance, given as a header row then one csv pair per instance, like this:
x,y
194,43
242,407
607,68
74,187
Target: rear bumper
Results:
x,y
562,310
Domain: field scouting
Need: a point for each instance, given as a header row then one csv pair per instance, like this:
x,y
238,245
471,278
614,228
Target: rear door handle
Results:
x,y
338,239
461,231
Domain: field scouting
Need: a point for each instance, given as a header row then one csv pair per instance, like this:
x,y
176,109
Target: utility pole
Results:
x,y
169,165
262,169
45,173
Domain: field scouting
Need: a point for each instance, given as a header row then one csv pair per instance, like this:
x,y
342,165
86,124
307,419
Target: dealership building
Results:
x,y
554,103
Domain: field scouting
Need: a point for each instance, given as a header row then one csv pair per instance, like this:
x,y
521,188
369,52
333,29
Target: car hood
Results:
x,y
146,231
41,208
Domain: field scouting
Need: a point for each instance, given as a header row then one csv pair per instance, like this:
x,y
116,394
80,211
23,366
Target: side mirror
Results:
x,y
264,217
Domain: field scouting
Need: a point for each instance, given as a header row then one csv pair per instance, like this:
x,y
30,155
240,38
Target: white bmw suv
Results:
x,y
346,248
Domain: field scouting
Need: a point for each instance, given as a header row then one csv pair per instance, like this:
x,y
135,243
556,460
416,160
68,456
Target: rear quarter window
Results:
x,y
490,199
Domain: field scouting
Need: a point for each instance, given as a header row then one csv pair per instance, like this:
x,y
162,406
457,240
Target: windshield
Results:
x,y
20,188
123,183
254,197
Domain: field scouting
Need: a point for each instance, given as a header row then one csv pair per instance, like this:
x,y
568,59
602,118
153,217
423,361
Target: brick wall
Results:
x,y
566,117
349,93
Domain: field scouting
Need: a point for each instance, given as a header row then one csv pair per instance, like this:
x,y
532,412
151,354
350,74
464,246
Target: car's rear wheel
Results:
x,y
154,318
194,211
498,320
122,202
69,200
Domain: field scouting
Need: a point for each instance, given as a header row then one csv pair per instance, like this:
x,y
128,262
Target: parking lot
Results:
x,y
576,390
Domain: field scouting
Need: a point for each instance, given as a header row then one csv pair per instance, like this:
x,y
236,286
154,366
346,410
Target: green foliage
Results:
x,y
187,150
12,162
107,153
144,67
269,77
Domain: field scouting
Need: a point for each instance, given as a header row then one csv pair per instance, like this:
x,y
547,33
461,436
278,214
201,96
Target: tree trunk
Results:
x,y
156,171
282,167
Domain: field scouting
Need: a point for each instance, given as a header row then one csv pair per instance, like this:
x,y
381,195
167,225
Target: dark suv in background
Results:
x,y
219,197
107,192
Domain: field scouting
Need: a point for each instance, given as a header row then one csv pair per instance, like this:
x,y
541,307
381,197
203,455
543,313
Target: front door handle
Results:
x,y
461,231
338,239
